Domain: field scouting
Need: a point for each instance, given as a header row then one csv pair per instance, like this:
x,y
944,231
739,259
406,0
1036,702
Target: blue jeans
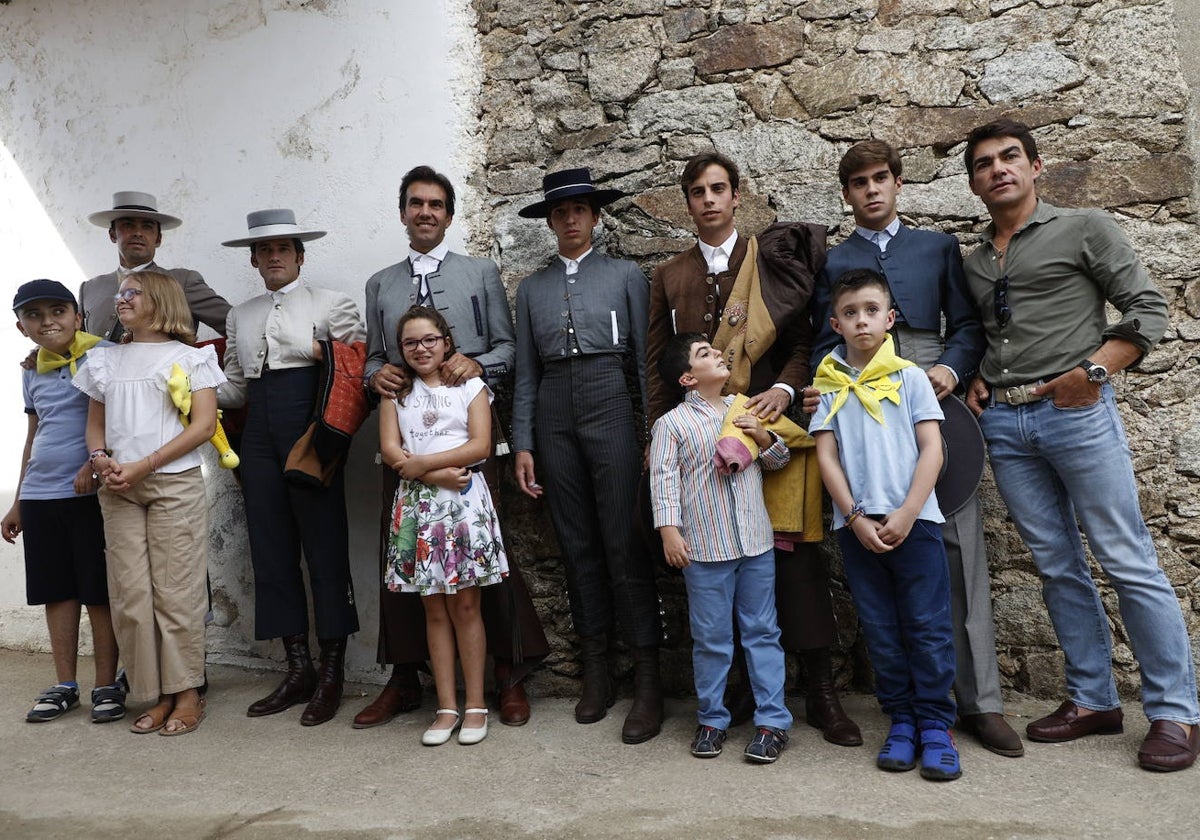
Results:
x,y
1055,466
903,602
716,591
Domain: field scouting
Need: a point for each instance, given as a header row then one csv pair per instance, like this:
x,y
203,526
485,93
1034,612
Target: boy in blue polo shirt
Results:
x,y
56,506
879,446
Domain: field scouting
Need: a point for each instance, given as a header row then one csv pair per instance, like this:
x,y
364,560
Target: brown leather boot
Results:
x,y
298,683
514,705
596,696
644,720
328,696
401,694
822,708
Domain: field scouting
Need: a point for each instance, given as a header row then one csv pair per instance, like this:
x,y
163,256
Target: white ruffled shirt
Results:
x,y
131,380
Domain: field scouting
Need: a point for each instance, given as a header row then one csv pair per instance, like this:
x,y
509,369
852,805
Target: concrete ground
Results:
x,y
271,779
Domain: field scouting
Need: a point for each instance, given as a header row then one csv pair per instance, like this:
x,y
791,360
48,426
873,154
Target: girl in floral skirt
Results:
x,y
444,541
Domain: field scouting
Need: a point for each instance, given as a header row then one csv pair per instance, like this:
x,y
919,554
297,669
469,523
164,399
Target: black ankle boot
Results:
x,y
328,696
298,683
596,696
644,720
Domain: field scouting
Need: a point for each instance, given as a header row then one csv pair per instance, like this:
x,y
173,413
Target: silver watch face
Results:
x,y
1097,373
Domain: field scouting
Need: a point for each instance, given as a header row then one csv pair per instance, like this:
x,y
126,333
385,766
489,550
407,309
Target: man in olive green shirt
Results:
x,y
1042,278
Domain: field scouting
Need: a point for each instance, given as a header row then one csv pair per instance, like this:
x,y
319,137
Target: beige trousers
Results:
x,y
157,536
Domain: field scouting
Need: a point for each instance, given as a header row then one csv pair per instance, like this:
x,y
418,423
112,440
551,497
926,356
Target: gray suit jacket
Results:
x,y
609,304
466,290
100,313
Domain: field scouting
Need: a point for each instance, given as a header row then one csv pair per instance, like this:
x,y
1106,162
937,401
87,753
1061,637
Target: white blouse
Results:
x,y
131,381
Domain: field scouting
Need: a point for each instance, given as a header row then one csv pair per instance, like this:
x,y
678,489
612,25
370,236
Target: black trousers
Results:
x,y
589,461
285,518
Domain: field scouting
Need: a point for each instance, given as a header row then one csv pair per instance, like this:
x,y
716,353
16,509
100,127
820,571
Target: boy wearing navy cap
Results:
x,y
56,506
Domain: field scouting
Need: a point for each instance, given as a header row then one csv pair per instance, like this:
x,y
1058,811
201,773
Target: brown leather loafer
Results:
x,y
993,731
1066,724
514,705
393,700
1166,748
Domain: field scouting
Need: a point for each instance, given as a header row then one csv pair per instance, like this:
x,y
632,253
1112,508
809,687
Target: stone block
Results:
x,y
1096,183
895,41
676,73
777,146
614,76
698,109
1021,617
682,24
850,81
1023,74
943,128
770,98
749,46
1043,674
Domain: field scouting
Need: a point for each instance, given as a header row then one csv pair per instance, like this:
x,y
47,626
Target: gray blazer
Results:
x,y
100,313
609,305
466,290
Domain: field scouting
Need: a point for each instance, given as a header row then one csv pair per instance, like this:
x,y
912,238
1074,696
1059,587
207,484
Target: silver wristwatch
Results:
x,y
1095,373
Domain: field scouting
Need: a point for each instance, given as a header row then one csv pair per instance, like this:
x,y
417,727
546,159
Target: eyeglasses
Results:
x,y
428,342
126,295
1003,311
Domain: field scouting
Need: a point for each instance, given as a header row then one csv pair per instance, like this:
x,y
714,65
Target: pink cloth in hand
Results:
x,y
731,456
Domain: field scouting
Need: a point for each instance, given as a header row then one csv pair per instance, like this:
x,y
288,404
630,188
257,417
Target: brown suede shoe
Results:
x,y
1066,724
1166,748
993,731
399,695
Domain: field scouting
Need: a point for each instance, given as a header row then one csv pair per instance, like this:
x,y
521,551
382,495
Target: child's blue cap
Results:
x,y
43,290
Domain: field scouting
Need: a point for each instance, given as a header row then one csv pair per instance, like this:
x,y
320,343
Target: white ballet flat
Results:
x,y
437,737
473,734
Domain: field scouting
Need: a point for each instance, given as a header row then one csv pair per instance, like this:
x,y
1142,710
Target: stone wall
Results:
x,y
631,88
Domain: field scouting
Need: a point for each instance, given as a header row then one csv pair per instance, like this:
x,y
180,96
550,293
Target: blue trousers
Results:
x,y
716,591
903,602
1060,469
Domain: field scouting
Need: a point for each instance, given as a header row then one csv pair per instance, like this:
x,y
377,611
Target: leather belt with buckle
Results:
x,y
1017,394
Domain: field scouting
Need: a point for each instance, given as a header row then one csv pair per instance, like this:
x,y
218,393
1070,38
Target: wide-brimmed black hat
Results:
x,y
964,450
569,183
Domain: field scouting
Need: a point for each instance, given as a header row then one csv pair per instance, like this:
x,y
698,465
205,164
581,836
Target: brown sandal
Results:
x,y
189,716
159,714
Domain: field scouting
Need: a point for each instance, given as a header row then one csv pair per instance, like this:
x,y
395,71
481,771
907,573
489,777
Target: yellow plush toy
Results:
x,y
180,389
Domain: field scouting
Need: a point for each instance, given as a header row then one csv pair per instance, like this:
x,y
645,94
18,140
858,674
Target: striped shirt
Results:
x,y
722,517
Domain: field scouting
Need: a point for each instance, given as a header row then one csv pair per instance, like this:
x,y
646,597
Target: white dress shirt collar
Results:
x,y
879,237
277,294
718,256
573,265
423,264
122,271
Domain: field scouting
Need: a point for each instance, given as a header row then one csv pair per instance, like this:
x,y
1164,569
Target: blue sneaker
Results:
x,y
939,756
899,752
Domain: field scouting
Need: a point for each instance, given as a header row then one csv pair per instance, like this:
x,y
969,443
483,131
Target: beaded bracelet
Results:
x,y
99,453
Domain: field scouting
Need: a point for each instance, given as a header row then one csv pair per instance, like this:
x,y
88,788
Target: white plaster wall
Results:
x,y
220,108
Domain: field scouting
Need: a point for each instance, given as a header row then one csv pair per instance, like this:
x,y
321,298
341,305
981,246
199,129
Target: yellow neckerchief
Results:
x,y
873,383
48,360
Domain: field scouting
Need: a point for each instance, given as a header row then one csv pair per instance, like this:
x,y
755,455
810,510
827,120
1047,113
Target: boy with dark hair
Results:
x,y
715,527
880,453
56,506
